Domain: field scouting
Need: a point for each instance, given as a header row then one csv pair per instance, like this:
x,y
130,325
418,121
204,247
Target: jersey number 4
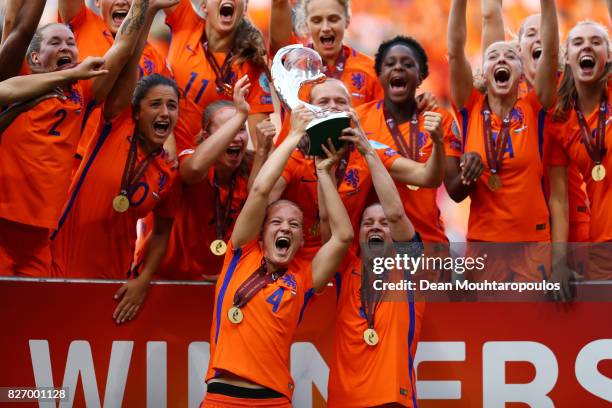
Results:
x,y
275,298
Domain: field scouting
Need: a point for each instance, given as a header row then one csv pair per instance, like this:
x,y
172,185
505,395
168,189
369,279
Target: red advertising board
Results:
x,y
58,334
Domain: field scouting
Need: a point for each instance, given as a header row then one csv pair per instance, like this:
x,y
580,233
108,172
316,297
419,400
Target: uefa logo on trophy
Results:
x,y
293,67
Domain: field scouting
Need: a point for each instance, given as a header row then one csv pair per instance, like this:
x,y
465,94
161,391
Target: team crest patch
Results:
x,y
148,66
266,99
517,115
264,83
352,178
358,80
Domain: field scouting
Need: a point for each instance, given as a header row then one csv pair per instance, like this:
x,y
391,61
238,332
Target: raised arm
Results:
x,y
25,87
281,24
430,173
120,96
264,134
460,69
546,70
399,224
492,23
68,9
250,219
327,260
124,46
195,168
21,19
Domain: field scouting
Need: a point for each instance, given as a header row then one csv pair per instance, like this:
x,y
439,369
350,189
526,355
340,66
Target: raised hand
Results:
x,y
433,124
90,67
264,133
241,90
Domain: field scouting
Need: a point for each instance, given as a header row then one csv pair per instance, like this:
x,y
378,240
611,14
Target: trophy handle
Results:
x,y
279,73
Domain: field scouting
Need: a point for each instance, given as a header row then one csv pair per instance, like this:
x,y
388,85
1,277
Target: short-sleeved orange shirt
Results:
x,y
578,205
188,256
567,148
94,39
258,348
505,215
420,205
196,78
36,153
363,375
301,179
93,240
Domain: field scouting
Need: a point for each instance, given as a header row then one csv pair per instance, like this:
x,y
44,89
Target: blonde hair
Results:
x,y
300,15
567,93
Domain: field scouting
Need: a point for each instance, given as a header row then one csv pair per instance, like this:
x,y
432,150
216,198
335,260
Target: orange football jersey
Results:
x,y
93,38
196,78
93,240
505,215
362,375
189,255
36,153
301,179
420,205
568,148
257,349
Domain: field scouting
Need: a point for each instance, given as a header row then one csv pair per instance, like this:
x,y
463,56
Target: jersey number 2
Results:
x,y
275,298
62,115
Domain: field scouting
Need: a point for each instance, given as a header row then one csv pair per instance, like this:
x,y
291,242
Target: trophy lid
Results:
x,y
293,67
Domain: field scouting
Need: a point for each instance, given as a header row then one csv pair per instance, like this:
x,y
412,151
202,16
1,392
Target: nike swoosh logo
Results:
x,y
303,180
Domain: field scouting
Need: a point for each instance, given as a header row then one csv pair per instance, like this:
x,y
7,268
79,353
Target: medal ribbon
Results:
x,y
254,283
130,175
221,222
369,297
338,66
595,146
222,80
495,148
411,151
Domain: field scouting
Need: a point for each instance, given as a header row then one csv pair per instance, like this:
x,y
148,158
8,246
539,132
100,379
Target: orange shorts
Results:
x,y
600,262
511,262
223,401
24,250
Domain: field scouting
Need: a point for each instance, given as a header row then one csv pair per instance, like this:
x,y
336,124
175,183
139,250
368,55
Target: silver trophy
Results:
x,y
293,67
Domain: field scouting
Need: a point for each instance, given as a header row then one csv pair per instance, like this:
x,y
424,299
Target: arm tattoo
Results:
x,y
136,20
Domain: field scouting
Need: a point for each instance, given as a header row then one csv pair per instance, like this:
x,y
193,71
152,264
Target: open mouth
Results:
x,y
327,41
587,62
397,83
64,62
501,75
233,151
375,241
536,53
118,16
226,12
282,245
161,127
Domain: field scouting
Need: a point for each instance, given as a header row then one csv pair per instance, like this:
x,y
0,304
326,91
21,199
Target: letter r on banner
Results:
x,y
496,392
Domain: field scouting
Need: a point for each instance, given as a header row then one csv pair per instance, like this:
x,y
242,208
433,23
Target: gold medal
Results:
x,y
494,182
121,203
411,187
235,315
599,172
218,247
370,337
227,90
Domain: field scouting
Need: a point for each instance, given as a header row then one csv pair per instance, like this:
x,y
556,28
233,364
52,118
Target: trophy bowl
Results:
x,y
294,67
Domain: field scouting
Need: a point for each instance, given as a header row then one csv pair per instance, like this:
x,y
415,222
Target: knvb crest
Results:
x,y
358,80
